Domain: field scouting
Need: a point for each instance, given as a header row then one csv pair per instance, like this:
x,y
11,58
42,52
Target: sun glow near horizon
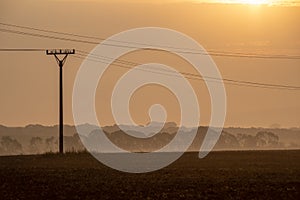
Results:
x,y
255,2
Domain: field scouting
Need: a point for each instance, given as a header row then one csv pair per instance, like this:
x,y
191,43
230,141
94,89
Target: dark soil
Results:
x,y
221,175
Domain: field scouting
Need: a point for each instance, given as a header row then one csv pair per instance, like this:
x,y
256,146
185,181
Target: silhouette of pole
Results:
x,y
61,110
61,63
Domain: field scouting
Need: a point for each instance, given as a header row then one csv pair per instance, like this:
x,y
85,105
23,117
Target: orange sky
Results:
x,y
29,81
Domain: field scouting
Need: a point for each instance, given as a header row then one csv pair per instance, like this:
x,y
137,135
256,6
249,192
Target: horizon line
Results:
x,y
225,127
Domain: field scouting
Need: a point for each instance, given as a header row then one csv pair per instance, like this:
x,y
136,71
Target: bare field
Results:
x,y
221,175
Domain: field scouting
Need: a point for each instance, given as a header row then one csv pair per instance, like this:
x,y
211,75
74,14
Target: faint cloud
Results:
x,y
259,43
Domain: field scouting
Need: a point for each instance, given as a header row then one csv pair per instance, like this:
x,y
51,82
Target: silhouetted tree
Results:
x,y
10,146
51,144
73,143
227,141
266,139
246,141
36,145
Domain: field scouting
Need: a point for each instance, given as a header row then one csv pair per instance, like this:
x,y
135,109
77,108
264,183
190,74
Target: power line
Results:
x,y
213,53
190,75
102,39
46,36
151,71
192,78
101,59
50,31
136,43
18,49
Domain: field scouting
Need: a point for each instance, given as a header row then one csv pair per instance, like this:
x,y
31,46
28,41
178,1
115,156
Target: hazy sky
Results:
x,y
266,2
29,80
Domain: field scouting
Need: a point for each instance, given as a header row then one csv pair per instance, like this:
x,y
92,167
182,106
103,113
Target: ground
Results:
x,y
221,175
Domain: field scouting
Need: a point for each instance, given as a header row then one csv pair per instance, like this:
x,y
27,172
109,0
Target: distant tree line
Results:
x,y
38,145
261,140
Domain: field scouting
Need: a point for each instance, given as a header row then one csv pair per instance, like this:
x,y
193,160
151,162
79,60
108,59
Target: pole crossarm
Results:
x,y
60,51
56,52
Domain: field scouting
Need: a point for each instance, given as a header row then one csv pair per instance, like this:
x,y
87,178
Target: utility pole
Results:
x,y
61,62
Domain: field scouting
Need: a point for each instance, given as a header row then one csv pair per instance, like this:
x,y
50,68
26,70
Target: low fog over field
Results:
x,y
36,139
